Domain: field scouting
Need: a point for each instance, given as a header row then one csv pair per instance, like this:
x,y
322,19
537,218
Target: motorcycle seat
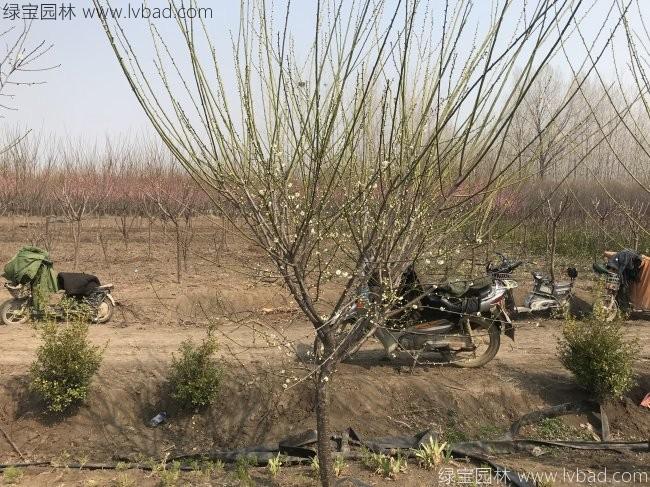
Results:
x,y
462,288
77,283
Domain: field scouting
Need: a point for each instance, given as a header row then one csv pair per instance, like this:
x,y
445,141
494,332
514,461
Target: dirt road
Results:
x,y
266,391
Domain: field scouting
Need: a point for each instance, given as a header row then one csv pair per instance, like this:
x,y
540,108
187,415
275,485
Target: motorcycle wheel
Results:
x,y
104,311
487,337
14,312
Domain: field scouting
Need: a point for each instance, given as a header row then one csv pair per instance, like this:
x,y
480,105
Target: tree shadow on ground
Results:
x,y
376,357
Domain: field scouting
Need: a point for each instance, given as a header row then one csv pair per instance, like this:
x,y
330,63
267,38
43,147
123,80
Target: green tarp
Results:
x,y
32,266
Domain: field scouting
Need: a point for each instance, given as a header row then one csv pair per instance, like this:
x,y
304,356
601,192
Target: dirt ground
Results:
x,y
266,391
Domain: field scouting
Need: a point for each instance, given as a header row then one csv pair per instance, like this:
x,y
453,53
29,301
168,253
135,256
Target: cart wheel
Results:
x,y
104,311
609,308
14,312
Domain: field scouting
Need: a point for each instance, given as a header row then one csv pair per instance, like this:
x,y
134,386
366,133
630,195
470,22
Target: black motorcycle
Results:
x,y
81,289
460,320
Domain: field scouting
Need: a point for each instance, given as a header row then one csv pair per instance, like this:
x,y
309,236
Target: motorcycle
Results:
x,y
20,308
464,327
547,294
501,275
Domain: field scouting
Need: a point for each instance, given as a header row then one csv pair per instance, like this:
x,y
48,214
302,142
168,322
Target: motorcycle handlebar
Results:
x,y
506,265
516,264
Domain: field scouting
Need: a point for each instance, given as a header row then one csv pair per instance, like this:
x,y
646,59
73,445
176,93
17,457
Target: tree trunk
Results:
x,y
125,233
149,239
324,378
178,253
552,250
76,235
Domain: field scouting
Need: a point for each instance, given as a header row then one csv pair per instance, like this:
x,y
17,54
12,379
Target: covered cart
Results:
x,y
627,281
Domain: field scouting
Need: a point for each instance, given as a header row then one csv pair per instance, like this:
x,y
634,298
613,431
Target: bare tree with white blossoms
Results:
x,y
356,151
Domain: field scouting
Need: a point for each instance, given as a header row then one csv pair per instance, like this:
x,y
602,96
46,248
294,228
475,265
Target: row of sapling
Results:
x,y
178,209
33,172
564,139
114,185
66,363
591,219
361,151
118,184
594,349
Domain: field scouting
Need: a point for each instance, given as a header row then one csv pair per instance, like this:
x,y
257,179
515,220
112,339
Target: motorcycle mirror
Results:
x,y
572,272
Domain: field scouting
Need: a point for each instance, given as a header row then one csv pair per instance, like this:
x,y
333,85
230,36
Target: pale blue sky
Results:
x,y
88,98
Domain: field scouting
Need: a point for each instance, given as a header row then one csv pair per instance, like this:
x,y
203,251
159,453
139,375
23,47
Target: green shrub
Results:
x,y
598,355
242,470
432,454
387,466
65,365
169,474
274,465
195,375
12,475
75,310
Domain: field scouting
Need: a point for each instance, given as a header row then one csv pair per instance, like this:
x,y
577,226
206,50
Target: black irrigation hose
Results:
x,y
297,447
525,444
479,451
585,406
84,466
